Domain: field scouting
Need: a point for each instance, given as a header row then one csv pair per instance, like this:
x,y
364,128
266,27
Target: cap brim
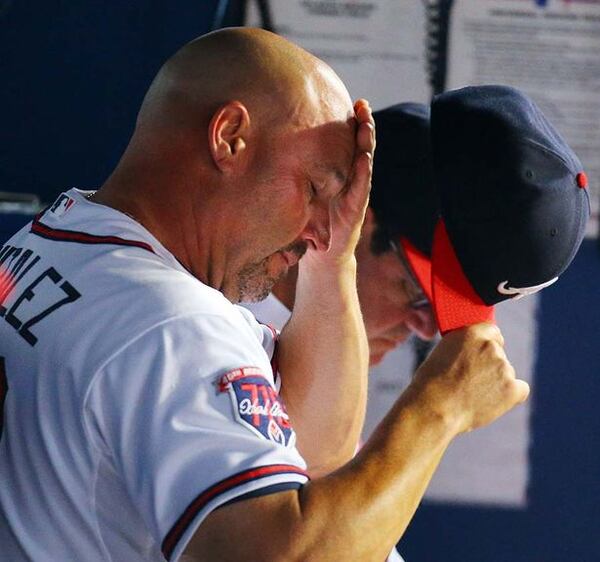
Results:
x,y
420,265
455,302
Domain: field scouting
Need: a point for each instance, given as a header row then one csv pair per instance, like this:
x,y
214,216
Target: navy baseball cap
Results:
x,y
513,204
403,197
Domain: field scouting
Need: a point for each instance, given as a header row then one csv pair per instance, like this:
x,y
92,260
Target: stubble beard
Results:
x,y
254,282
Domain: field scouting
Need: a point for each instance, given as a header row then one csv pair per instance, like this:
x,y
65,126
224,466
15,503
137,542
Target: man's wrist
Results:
x,y
330,286
433,410
325,266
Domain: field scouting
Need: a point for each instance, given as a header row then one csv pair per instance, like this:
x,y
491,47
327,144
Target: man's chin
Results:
x,y
255,293
256,281
253,298
257,289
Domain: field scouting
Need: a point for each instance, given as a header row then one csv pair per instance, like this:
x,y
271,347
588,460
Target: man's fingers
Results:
x,y
365,145
365,134
362,110
365,137
363,160
485,330
357,196
493,332
521,390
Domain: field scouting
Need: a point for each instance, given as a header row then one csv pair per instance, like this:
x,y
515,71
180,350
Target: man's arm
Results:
x,y
323,363
359,511
323,353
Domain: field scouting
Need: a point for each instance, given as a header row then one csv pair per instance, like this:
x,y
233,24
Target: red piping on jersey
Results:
x,y
173,536
275,356
45,231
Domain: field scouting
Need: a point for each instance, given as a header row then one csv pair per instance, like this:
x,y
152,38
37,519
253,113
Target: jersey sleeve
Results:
x,y
268,336
190,417
266,333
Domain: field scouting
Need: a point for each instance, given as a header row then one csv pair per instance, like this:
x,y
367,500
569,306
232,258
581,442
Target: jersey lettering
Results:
x,y
15,264
3,391
28,294
11,274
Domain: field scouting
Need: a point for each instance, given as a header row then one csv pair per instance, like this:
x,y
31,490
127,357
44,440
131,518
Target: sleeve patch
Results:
x,y
256,405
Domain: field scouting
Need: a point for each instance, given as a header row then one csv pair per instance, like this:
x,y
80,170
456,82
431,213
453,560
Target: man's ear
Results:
x,y
227,133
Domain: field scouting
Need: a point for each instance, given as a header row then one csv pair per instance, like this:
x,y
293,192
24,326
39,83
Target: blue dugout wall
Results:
x,y
74,74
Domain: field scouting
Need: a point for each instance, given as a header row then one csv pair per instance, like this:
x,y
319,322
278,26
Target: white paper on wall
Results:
x,y
488,466
377,47
551,51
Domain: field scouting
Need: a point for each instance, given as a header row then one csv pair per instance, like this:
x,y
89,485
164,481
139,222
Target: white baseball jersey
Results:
x,y
136,399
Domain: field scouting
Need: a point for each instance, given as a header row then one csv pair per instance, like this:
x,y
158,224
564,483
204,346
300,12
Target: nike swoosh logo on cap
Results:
x,y
520,292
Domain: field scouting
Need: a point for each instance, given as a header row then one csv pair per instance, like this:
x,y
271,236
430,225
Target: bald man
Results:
x,y
141,416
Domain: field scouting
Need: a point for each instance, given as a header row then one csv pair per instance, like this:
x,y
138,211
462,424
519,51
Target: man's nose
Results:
x,y
422,322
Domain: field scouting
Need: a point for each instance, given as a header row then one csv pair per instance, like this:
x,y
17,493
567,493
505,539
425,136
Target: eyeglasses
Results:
x,y
415,293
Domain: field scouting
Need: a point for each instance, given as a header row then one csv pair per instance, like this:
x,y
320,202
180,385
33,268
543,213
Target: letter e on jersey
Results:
x,y
256,405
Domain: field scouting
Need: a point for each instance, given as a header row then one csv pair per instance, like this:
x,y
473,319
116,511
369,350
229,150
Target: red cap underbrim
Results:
x,y
420,264
455,302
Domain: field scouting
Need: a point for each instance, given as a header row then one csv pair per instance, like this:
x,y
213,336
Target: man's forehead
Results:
x,y
330,148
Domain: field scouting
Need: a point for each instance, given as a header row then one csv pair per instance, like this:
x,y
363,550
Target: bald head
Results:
x,y
276,80
235,132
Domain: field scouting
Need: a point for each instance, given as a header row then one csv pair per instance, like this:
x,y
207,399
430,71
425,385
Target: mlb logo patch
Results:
x,y
256,405
62,205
